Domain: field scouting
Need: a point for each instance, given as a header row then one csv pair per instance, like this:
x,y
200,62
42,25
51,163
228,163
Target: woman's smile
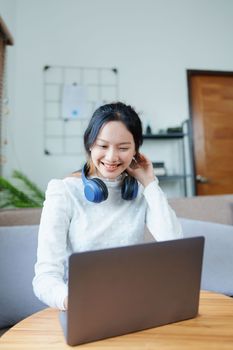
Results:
x,y
110,167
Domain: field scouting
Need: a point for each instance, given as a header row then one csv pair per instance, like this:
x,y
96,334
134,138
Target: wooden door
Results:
x,y
211,110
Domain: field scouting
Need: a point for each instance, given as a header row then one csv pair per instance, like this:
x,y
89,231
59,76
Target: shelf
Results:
x,y
184,174
165,136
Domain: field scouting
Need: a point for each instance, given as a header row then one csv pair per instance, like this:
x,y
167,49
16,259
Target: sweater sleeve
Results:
x,y
161,220
48,284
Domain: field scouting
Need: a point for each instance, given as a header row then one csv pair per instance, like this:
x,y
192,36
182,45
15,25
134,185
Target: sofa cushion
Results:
x,y
18,246
217,209
20,216
218,253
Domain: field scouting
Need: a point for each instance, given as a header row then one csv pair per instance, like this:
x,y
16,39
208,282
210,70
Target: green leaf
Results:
x,y
12,197
29,184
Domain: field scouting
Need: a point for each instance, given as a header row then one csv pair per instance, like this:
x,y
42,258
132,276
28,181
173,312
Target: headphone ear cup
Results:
x,y
95,190
129,189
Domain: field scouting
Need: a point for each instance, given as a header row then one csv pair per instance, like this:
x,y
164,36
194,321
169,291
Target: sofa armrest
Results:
x,y
18,247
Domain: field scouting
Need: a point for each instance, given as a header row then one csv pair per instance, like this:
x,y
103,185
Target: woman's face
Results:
x,y
113,150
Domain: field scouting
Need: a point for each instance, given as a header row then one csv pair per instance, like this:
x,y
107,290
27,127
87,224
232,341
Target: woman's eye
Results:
x,y
102,146
123,149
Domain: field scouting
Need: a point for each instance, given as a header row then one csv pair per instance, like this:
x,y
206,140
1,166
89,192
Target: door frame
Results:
x,y
190,73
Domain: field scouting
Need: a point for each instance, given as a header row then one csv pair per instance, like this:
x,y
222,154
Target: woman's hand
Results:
x,y
142,169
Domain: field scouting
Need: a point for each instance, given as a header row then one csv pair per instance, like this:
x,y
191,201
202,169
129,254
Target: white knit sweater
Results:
x,y
70,223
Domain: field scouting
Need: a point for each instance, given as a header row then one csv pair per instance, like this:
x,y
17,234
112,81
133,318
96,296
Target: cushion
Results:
x,y
18,246
217,209
20,216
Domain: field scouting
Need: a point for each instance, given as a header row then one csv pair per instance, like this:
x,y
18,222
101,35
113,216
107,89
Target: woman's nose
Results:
x,y
111,155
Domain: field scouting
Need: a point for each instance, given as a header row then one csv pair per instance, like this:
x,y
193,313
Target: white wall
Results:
x,y
151,42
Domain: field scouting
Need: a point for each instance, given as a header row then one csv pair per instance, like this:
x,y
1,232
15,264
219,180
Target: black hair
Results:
x,y
117,111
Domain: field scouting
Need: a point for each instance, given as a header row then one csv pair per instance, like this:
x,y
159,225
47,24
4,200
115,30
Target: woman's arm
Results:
x,y
161,220
48,283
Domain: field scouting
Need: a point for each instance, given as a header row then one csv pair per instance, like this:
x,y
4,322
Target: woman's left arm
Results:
x,y
161,220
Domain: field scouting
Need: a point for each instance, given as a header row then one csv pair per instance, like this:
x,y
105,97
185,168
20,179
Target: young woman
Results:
x,y
107,205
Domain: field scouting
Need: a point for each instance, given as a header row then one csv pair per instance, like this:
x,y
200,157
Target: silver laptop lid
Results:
x,y
120,290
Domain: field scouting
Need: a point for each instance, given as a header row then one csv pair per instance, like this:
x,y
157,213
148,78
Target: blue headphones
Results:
x,y
96,191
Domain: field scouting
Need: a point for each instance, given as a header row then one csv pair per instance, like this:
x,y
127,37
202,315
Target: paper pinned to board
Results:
x,y
74,102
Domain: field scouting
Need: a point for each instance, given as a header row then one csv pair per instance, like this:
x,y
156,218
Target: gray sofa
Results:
x,y
18,242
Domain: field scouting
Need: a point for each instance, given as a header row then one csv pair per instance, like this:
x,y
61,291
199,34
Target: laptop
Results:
x,y
126,289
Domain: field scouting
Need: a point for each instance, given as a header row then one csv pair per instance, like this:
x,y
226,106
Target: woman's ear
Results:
x,y
133,163
137,156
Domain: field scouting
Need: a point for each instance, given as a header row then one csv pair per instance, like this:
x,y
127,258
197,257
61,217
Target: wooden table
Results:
x,y
211,329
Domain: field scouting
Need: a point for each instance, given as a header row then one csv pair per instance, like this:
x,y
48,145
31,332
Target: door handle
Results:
x,y
202,179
